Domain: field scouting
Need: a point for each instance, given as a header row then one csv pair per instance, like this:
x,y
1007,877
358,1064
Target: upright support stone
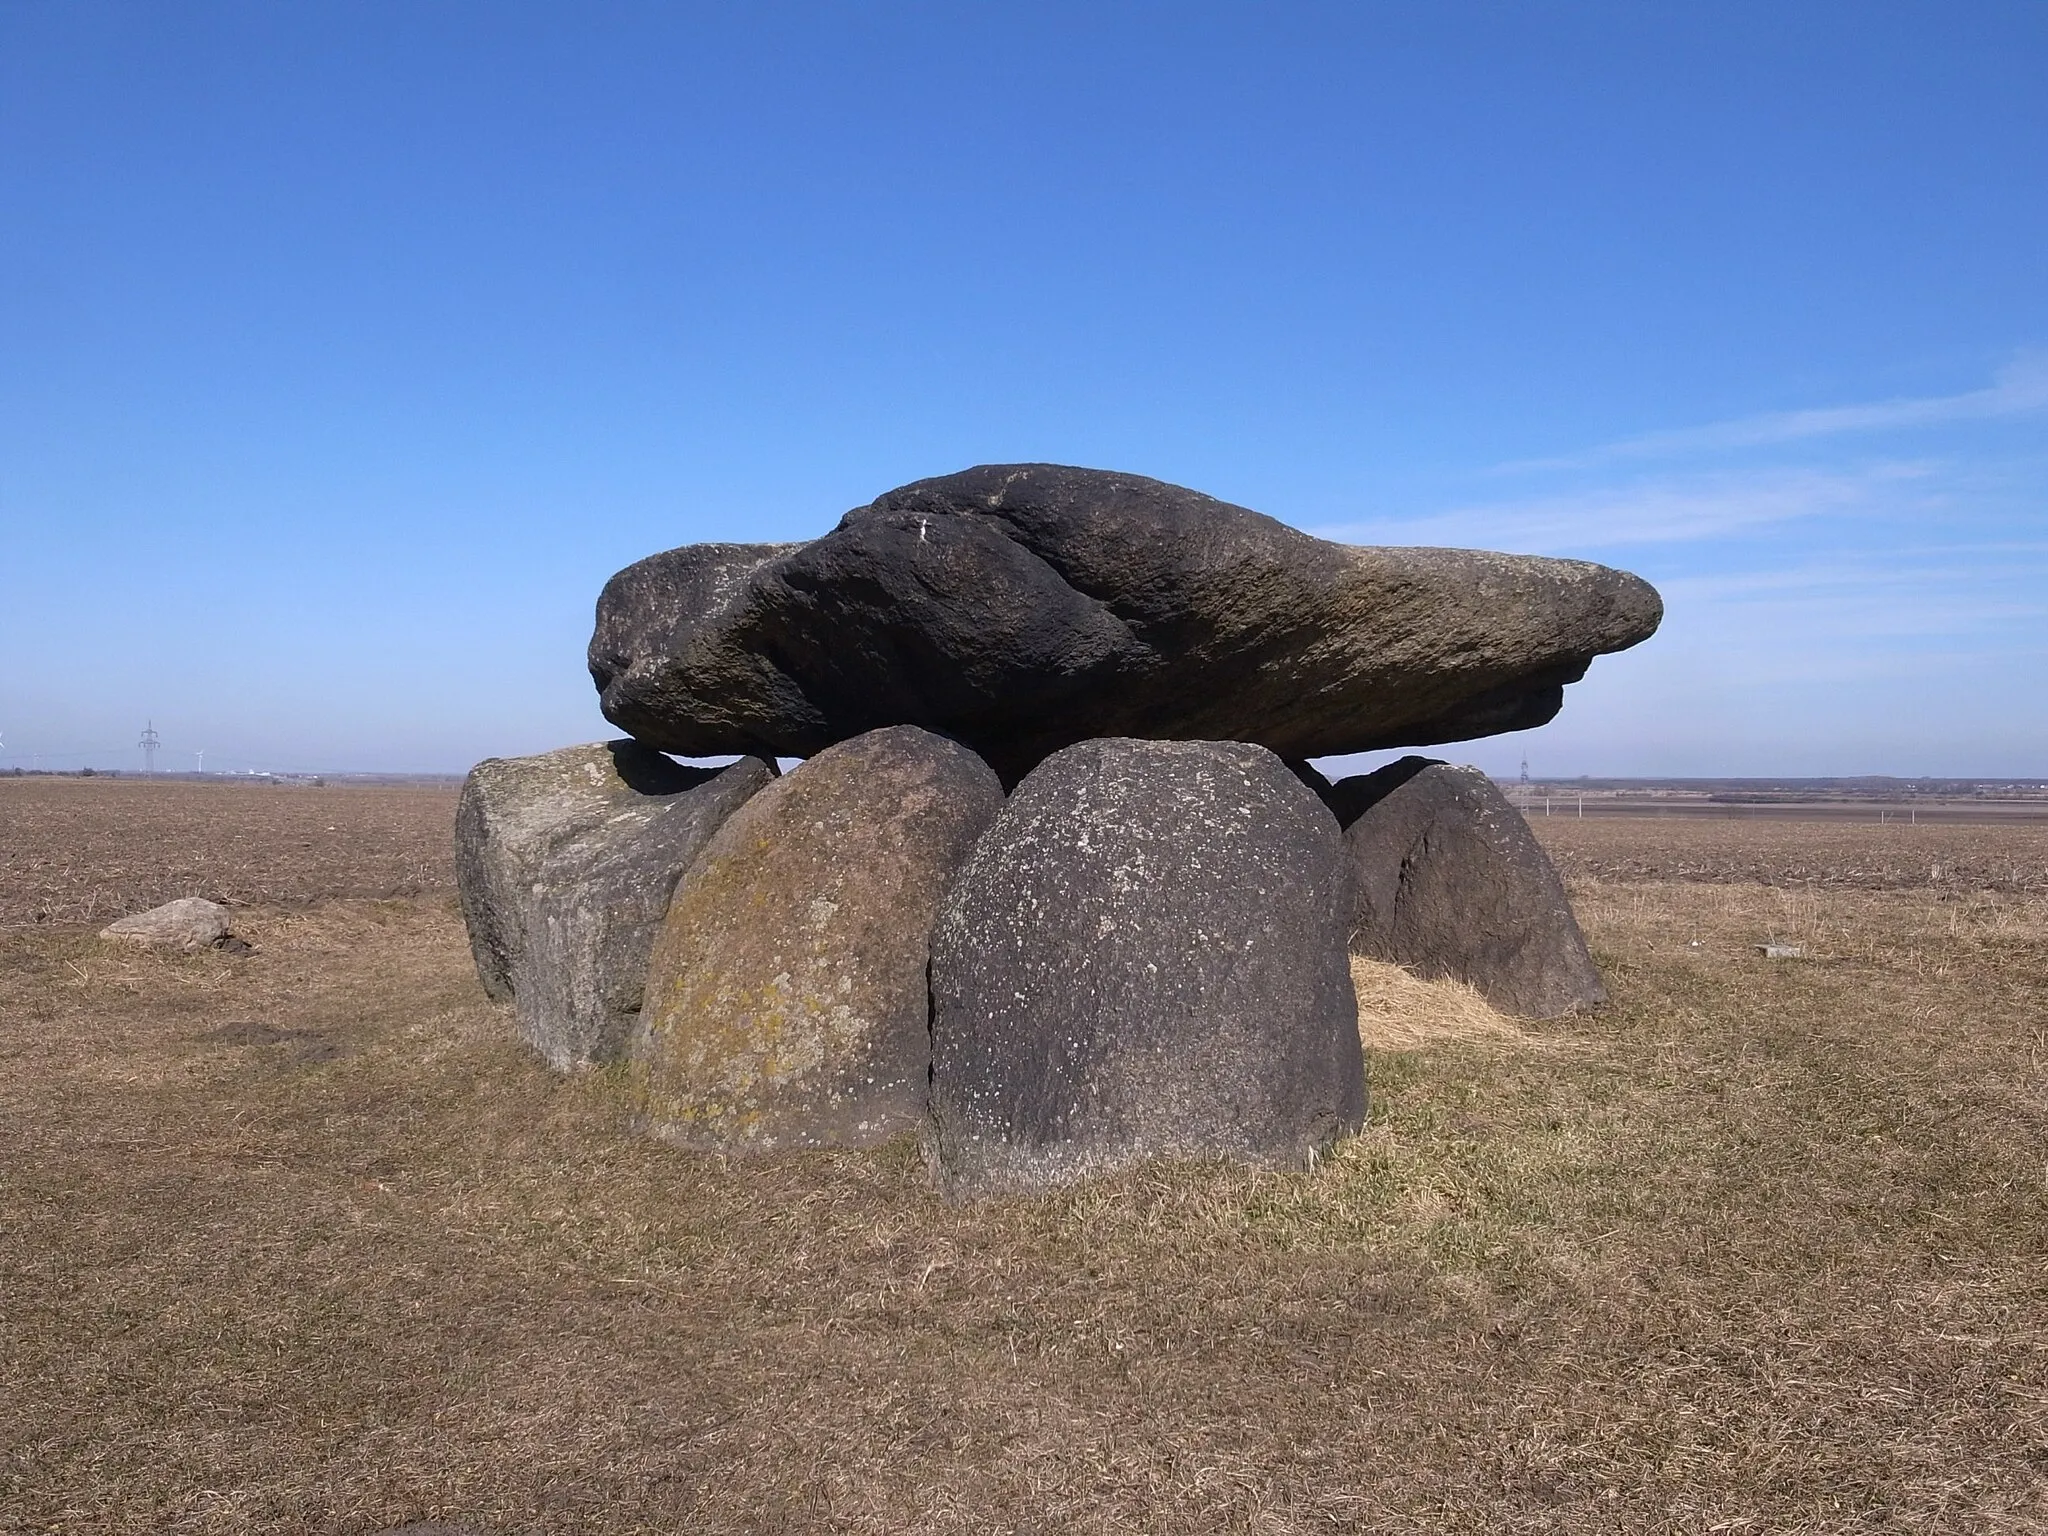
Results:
x,y
597,902
786,1001
1452,883
1144,955
515,810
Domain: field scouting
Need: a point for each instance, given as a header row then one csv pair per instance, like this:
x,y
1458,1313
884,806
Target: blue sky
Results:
x,y
346,349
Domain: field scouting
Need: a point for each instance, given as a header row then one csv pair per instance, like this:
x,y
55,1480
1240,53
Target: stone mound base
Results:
x,y
1149,948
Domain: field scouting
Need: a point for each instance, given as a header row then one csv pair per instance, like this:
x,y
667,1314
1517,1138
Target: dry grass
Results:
x,y
298,1242
1400,1012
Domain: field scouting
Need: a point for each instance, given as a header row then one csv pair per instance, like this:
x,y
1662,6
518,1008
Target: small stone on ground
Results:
x,y
190,922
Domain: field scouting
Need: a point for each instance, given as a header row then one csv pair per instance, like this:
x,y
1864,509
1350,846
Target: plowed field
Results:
x,y
80,850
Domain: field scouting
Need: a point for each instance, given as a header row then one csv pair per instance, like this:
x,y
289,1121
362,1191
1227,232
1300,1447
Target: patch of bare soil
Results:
x,y
301,1241
76,850
1864,855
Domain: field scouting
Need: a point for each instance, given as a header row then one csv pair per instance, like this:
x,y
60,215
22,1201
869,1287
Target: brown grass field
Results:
x,y
302,1241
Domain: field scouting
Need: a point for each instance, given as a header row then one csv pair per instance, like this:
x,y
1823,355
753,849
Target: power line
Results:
x,y
149,743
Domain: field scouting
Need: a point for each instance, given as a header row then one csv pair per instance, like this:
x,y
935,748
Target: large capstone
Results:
x,y
514,811
786,1000
597,902
1022,608
1144,955
1452,883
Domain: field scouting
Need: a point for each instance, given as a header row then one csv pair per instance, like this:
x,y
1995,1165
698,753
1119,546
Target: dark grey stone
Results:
x,y
786,1001
515,810
1452,883
1020,608
1144,955
598,901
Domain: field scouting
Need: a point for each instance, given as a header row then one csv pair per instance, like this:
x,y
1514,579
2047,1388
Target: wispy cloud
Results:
x,y
1834,601
2018,389
1665,511
1913,626
1865,612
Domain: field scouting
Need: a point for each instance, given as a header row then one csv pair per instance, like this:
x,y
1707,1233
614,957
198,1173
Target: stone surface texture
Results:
x,y
597,902
1021,608
1145,954
1452,883
190,922
514,810
786,1002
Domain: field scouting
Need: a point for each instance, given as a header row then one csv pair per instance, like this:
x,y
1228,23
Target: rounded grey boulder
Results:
x,y
1452,883
1143,955
786,1000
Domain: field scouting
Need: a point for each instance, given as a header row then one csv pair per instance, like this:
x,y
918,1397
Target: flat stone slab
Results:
x,y
1021,608
190,922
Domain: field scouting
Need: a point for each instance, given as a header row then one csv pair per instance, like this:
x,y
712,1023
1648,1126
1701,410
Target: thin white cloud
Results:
x,y
1972,571
1962,613
2018,389
1659,512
